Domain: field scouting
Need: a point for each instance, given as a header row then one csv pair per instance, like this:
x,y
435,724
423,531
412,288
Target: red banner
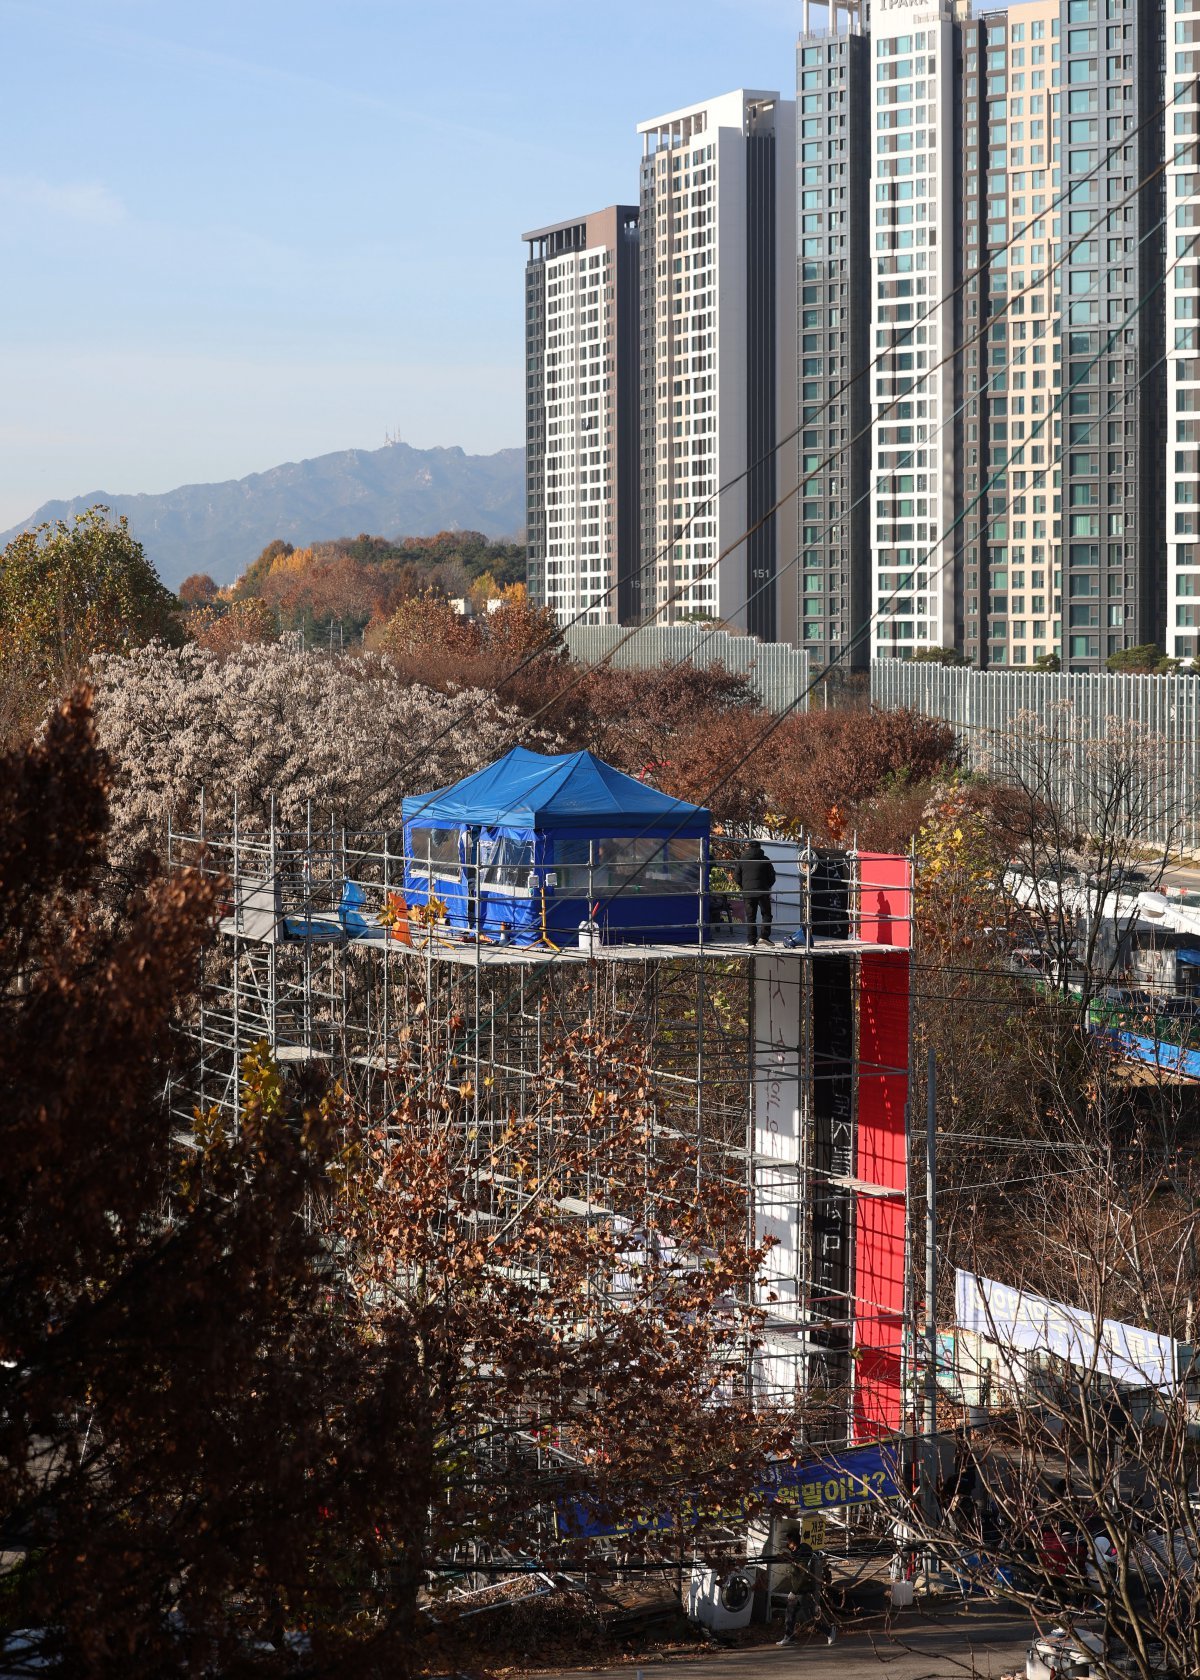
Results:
x,y
881,1143
885,898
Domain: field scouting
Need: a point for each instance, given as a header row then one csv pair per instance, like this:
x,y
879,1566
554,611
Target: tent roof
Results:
x,y
557,791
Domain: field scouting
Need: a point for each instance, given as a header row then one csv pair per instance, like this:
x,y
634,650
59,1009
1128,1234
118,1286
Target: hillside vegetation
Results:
x,y
360,582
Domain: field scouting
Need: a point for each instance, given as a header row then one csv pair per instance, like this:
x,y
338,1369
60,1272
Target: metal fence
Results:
x,y
777,672
987,708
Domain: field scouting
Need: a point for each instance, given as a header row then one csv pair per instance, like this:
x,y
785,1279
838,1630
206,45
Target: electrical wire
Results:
x,y
906,585
1036,429
988,486
900,336
903,332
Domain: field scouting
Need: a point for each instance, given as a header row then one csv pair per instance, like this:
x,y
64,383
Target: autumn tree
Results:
x,y
1085,1510
363,580
856,766
518,629
260,1376
345,735
573,1314
222,629
824,773
189,1437
427,628
251,580
198,590
633,717
1025,1085
1084,806
67,594
1005,1051
1062,1174
310,588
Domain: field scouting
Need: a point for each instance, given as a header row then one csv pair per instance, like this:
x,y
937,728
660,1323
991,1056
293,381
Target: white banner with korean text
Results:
x,y
1019,1321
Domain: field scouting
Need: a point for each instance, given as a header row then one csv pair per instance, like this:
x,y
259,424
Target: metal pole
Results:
x,y
929,1456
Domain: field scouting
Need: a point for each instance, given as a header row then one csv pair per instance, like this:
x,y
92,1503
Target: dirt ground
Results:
x,y
618,1633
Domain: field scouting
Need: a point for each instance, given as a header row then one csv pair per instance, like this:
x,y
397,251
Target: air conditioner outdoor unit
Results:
x,y
720,1602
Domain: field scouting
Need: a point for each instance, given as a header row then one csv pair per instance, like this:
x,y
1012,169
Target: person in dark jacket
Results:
x,y
756,877
807,1578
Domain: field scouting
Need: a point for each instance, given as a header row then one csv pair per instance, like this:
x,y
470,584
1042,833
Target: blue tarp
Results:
x,y
578,791
1155,1052
523,850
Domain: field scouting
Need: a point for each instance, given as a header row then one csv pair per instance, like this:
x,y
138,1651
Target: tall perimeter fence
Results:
x,y
777,672
986,707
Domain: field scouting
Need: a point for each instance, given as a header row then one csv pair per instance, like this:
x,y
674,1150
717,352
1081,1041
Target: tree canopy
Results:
x,y
68,593
256,1378
186,1432
1145,658
198,590
940,656
361,581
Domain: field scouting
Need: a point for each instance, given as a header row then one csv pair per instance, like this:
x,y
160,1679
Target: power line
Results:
x,y
900,333
737,762
1038,426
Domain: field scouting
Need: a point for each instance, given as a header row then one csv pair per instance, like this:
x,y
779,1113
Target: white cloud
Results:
x,y
76,201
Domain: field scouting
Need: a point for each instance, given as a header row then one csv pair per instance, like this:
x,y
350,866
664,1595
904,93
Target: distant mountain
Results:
x,y
395,491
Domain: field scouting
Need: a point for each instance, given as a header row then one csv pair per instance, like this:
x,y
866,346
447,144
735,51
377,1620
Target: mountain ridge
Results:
x,y
394,491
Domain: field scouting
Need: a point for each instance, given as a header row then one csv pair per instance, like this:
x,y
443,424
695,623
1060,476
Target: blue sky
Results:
x,y
238,234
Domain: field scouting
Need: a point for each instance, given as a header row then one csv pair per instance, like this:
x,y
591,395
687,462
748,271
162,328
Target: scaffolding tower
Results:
x,y
763,1057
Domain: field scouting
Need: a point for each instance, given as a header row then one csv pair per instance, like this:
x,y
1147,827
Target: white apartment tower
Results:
x,y
1182,444
913,250
581,416
718,370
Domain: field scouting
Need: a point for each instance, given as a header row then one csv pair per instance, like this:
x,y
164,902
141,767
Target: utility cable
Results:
x,y
776,722
901,333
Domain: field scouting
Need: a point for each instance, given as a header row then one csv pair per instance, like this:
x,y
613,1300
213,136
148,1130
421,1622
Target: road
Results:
x,y
980,1644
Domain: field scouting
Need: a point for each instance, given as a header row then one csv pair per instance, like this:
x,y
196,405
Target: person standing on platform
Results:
x,y
756,877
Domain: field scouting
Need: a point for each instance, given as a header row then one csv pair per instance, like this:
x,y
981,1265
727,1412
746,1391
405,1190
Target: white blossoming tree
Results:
x,y
347,733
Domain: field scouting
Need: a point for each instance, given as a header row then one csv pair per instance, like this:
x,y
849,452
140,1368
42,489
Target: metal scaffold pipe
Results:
x,y
929,1476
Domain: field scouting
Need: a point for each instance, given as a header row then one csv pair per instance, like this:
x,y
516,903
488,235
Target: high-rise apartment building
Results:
x,y
950,297
829,587
718,323
1019,451
914,269
1182,300
581,405
1063,434
1112,455
1011,431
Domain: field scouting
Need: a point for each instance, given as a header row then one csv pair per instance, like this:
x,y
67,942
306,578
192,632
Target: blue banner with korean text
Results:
x,y
851,1477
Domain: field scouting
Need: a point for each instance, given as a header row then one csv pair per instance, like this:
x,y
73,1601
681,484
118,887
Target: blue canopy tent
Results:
x,y
524,849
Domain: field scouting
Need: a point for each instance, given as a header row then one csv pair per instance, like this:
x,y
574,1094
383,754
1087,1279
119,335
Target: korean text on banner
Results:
x,y
1019,1321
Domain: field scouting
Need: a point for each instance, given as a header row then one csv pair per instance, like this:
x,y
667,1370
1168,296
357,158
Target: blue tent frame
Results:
x,y
514,852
